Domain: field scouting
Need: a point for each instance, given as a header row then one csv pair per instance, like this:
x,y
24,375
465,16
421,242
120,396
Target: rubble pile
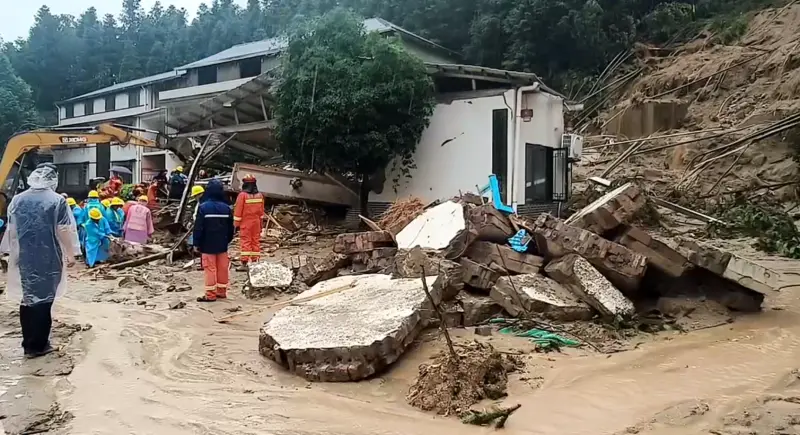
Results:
x,y
482,264
450,387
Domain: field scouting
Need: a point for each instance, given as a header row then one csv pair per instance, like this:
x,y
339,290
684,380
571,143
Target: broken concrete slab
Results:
x,y
477,308
705,256
740,270
658,253
539,294
359,329
267,275
477,275
613,209
352,243
502,257
410,264
488,224
295,262
577,275
320,269
435,228
622,266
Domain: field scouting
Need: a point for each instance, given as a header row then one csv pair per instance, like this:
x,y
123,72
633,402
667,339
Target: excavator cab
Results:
x,y
21,154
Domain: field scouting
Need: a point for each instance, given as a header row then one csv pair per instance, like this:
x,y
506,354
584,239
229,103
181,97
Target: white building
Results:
x,y
486,121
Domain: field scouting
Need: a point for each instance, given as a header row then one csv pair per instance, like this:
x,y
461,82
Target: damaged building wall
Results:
x,y
456,150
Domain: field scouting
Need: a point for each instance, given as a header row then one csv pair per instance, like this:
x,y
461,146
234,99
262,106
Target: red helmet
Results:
x,y
249,178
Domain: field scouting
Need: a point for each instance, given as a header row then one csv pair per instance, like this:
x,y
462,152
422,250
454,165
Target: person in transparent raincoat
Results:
x,y
41,241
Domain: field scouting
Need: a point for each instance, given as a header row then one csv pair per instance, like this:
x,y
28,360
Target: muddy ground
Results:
x,y
129,364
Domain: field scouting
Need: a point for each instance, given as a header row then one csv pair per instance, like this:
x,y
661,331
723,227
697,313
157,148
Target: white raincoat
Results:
x,y
40,237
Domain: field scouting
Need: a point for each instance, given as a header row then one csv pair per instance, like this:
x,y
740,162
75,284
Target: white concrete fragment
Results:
x,y
597,288
433,229
349,334
582,279
264,274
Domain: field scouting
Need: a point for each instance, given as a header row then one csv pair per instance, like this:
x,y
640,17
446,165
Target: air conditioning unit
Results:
x,y
574,143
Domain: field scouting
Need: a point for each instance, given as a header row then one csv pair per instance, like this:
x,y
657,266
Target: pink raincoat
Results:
x,y
138,224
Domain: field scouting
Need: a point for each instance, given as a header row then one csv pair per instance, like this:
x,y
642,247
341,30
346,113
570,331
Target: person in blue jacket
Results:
x,y
115,216
97,240
92,202
78,214
213,232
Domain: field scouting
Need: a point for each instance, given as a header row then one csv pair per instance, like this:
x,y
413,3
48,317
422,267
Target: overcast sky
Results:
x,y
16,16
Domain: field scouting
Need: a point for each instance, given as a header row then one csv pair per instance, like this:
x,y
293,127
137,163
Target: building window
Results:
x,y
111,103
88,108
250,67
500,148
134,99
130,164
73,175
69,111
207,75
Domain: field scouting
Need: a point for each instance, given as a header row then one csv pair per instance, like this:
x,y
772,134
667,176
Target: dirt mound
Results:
x,y
449,387
707,85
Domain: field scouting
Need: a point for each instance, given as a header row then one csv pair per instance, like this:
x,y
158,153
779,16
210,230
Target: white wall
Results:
x,y
545,128
466,160
460,164
78,155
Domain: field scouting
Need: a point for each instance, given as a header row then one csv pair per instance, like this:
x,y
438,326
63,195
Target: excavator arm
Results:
x,y
66,138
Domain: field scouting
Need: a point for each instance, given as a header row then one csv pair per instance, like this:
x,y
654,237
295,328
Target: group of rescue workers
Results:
x,y
97,221
43,237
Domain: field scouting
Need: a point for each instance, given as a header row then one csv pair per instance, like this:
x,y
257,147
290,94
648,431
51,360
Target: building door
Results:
x,y
500,149
103,160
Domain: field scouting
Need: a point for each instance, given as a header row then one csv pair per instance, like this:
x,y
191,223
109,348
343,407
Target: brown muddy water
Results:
x,y
146,369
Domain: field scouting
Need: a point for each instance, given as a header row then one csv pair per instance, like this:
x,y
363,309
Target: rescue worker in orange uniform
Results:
x,y
247,216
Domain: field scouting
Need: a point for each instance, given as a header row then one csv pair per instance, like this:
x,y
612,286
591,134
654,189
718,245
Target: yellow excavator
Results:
x,y
18,155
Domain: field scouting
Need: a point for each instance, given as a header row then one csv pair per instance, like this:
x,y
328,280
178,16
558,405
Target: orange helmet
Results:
x,y
249,178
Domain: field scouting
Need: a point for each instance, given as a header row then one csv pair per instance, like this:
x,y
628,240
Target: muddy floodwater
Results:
x,y
131,365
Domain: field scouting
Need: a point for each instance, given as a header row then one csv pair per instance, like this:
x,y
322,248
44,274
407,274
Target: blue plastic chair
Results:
x,y
494,188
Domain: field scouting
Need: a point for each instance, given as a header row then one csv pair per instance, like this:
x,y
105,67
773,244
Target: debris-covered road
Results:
x,y
147,369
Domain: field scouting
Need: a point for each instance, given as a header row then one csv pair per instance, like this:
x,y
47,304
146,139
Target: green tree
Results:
x,y
350,102
17,111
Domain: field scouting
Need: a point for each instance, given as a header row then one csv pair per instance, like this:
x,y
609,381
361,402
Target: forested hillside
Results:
x,y
564,41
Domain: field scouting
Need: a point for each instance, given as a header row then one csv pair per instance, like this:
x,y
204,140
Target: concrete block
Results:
x,y
352,243
489,224
539,294
377,259
622,266
265,275
477,275
702,255
582,279
315,269
351,334
502,257
477,308
410,263
658,254
613,209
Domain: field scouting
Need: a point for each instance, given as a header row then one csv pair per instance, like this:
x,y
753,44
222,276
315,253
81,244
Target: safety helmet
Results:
x,y
143,198
106,202
249,178
94,194
95,214
197,190
71,202
179,169
117,201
